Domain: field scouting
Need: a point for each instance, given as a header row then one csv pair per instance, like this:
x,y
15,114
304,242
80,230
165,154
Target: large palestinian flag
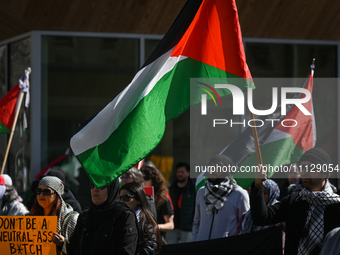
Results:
x,y
7,109
280,145
204,42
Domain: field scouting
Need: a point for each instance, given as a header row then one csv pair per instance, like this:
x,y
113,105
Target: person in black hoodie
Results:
x,y
108,227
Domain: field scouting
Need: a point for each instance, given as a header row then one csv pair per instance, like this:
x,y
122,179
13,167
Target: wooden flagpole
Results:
x,y
256,139
18,106
21,96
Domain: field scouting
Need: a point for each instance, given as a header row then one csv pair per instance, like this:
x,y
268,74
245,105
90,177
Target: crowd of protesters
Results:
x,y
124,218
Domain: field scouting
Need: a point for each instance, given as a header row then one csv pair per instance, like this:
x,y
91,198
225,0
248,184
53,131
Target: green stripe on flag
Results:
x,y
4,129
280,152
143,128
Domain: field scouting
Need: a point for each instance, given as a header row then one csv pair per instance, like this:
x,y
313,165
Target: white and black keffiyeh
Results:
x,y
216,195
313,232
67,220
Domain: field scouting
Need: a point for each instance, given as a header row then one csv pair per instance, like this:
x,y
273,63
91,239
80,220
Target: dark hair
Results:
x,y
136,175
158,182
37,210
146,216
183,164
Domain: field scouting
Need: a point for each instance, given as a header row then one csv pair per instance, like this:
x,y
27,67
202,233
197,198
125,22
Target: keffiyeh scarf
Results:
x,y
313,232
216,195
67,220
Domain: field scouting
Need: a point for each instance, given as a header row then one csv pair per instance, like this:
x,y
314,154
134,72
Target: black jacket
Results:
x,y
113,232
146,245
69,198
184,200
293,212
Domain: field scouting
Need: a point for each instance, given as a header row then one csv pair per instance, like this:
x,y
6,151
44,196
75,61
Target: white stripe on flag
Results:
x,y
116,111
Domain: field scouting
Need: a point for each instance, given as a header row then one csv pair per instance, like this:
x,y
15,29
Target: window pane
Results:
x,y
150,46
290,60
18,159
294,60
80,76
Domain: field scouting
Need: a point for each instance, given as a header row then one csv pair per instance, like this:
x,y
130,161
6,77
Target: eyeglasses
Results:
x,y
126,177
92,186
126,197
45,192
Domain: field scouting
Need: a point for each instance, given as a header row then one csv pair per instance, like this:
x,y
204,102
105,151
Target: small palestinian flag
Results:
x,y
280,145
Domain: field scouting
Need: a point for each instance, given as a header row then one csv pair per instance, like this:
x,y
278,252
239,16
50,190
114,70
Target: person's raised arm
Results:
x,y
260,175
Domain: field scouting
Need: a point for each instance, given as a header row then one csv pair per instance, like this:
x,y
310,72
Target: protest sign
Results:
x,y
27,235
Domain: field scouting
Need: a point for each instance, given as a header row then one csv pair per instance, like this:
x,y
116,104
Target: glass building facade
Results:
x,y
75,75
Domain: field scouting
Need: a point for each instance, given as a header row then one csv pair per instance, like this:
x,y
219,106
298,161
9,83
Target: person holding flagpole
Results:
x,y
309,214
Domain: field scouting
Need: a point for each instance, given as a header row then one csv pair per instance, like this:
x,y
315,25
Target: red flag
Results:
x,y
7,109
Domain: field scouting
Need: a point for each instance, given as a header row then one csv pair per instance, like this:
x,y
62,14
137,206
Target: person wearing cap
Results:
x,y
11,202
49,202
309,213
220,204
67,195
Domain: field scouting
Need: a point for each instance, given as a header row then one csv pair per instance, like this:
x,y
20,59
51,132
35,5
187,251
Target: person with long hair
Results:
x,y
165,214
49,202
135,175
133,195
108,227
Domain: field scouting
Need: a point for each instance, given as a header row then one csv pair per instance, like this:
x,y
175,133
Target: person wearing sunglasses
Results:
x,y
108,227
135,175
133,195
49,202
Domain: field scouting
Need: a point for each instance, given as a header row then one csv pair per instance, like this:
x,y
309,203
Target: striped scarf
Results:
x,y
313,232
67,220
216,195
